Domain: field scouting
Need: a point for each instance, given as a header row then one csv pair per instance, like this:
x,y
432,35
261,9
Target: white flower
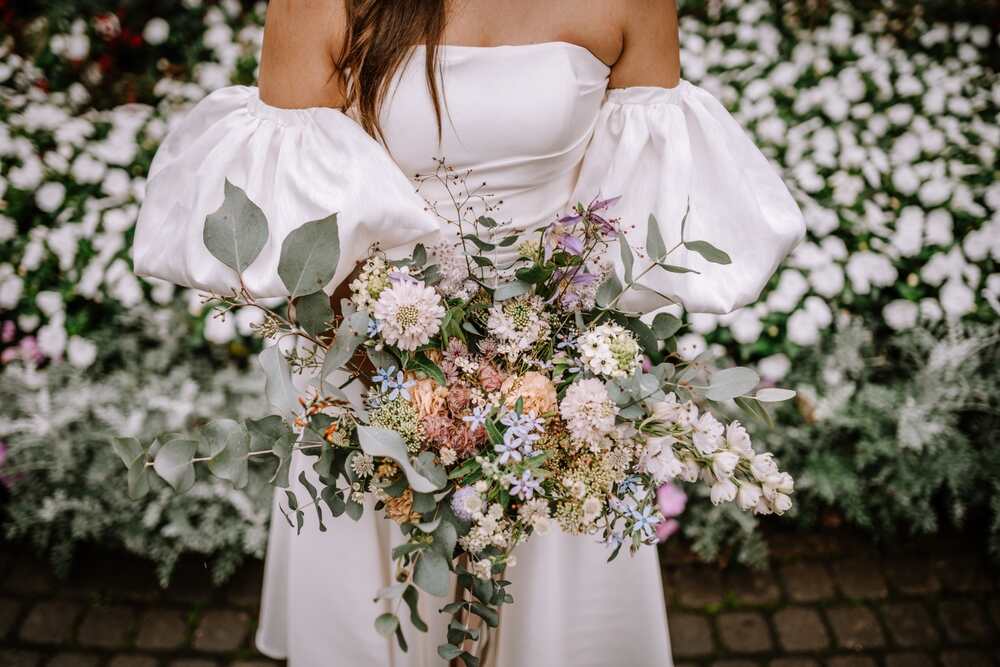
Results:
x,y
901,314
11,289
708,433
738,440
588,411
763,466
781,503
220,330
723,491
957,299
591,509
77,47
156,31
50,196
52,338
8,229
724,464
49,302
691,346
409,314
518,323
483,569
81,352
748,496
541,525
866,269
774,367
610,350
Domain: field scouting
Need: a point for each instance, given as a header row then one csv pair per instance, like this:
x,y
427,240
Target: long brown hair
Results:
x,y
380,34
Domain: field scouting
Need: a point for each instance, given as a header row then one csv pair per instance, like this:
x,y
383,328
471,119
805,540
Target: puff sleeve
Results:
x,y
297,165
661,149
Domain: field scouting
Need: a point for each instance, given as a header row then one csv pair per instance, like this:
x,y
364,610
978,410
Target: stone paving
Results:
x,y
829,600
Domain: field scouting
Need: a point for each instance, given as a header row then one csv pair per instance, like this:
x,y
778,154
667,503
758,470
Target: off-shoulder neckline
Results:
x,y
529,45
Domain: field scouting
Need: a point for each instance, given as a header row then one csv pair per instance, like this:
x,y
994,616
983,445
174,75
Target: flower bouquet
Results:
x,y
475,402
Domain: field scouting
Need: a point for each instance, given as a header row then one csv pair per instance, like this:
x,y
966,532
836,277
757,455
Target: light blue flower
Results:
x,y
374,326
384,377
509,450
400,387
645,522
525,486
478,418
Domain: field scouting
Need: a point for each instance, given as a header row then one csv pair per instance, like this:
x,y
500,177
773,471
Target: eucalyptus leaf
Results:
x,y
127,449
314,496
608,291
227,443
774,395
752,407
309,256
386,624
350,334
449,652
138,478
434,472
672,268
313,312
237,232
412,598
431,573
510,290
655,246
173,463
732,382
281,392
628,259
666,325
383,442
445,539
708,251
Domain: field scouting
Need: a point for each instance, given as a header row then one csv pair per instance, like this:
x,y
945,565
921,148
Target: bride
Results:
x,y
547,103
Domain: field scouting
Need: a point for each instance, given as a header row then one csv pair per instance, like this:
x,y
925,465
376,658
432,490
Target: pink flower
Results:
x,y
665,529
671,501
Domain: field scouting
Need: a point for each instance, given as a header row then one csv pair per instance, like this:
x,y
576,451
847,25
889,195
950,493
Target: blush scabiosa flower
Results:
x,y
409,313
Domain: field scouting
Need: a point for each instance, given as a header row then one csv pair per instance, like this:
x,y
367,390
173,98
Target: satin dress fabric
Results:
x,y
535,128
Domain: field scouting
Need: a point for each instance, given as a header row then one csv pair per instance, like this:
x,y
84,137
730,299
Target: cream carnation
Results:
x,y
409,314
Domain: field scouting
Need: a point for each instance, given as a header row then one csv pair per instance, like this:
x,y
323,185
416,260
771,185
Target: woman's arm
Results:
x,y
651,52
302,44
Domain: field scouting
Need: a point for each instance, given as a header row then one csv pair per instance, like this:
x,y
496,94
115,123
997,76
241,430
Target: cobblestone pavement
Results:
x,y
829,600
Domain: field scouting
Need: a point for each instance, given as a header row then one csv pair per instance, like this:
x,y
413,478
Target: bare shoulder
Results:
x,y
302,43
651,52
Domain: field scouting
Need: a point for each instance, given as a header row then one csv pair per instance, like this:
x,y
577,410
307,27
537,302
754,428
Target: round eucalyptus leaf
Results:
x,y
732,382
774,395
173,463
236,233
313,312
309,257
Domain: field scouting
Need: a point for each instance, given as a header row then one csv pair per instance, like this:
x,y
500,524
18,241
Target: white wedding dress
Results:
x,y
537,124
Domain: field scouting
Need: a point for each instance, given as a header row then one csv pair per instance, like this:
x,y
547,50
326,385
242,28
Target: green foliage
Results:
x,y
65,475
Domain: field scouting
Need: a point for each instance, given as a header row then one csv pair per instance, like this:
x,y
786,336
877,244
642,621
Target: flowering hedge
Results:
x,y
885,132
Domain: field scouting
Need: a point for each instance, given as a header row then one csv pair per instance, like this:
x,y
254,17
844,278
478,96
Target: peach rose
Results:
x,y
428,397
538,392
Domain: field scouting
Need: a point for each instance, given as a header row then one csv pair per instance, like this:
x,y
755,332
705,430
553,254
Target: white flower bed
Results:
x,y
890,152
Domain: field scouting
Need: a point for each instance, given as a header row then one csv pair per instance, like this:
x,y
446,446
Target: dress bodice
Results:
x,y
517,118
